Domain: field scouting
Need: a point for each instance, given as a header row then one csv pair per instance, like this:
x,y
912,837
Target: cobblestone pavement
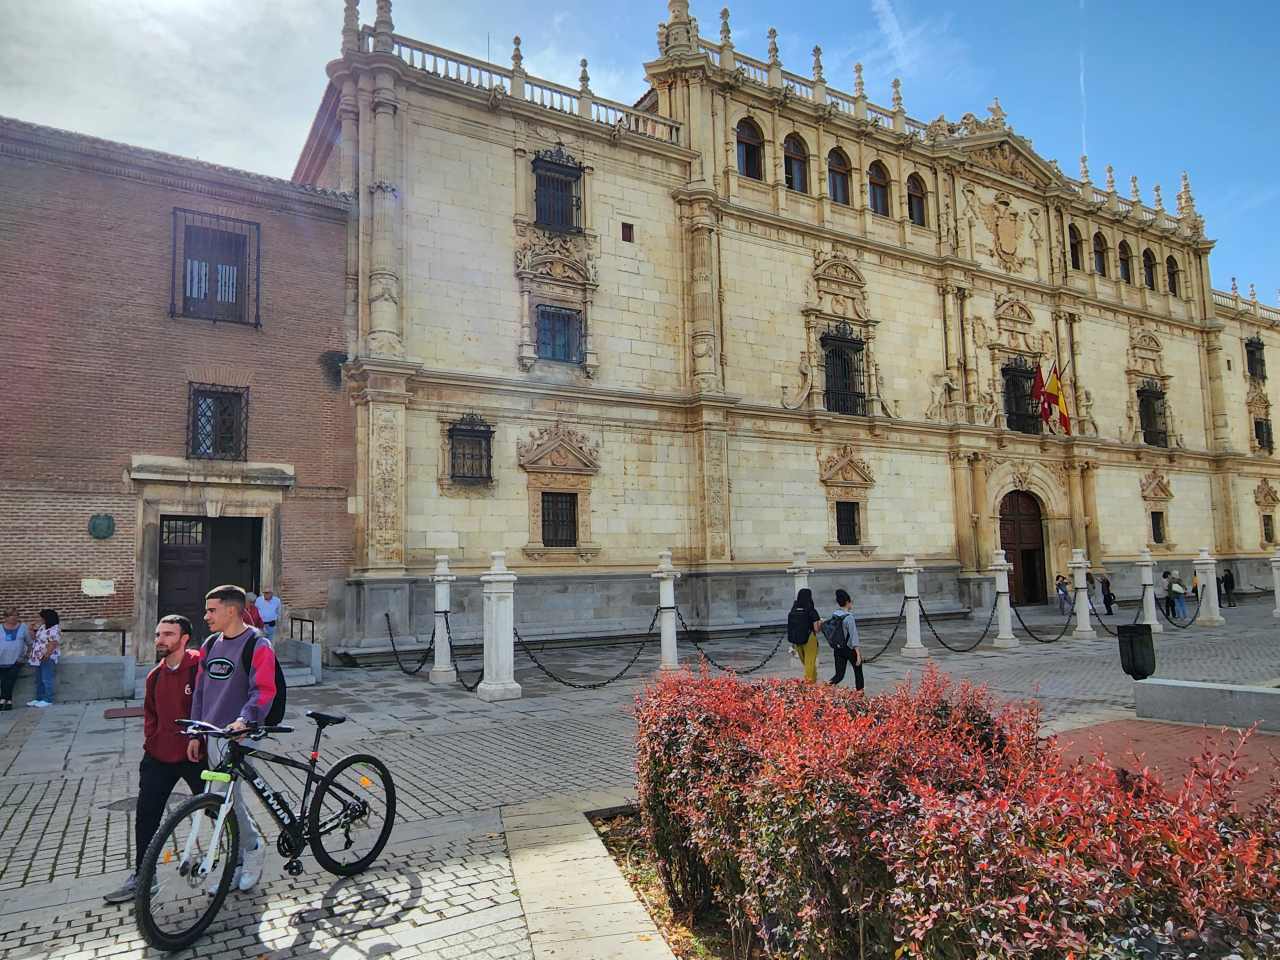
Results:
x,y
444,887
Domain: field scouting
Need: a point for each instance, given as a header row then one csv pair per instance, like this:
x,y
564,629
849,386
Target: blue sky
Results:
x,y
1169,86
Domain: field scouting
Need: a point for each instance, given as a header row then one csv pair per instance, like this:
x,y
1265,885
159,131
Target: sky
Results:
x,y
1153,87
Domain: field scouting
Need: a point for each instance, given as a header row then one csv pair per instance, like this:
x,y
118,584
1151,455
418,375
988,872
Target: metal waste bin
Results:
x,y
1137,650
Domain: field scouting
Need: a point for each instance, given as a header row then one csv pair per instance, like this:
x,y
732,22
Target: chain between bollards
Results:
x,y
711,660
1032,635
421,663
1096,614
897,623
600,683
1194,617
469,687
975,643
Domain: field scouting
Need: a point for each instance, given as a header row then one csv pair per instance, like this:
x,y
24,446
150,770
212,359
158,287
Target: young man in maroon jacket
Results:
x,y
167,755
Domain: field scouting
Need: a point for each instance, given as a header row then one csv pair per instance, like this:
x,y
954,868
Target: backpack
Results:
x,y
836,632
275,712
799,626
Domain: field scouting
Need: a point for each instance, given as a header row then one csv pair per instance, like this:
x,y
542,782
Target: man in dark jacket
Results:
x,y
165,757
1229,586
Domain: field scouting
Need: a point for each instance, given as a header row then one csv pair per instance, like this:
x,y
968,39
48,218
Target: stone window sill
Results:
x,y
584,552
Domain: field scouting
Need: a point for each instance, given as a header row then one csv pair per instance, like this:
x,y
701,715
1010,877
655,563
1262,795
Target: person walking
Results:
x,y
803,624
44,657
268,606
251,616
1063,586
848,652
1166,579
1108,598
165,758
13,646
1179,594
229,697
1229,586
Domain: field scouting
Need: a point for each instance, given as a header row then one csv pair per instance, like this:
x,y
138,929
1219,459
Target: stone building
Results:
x,y
173,415
751,314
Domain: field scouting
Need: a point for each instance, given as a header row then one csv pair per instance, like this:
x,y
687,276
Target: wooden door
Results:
x,y
184,569
1022,539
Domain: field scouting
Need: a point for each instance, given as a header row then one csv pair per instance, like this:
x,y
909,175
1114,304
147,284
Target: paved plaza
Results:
x,y
465,772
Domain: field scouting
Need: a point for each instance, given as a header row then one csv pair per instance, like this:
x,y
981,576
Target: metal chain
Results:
x,y
1142,602
901,609
1101,622
1031,634
601,683
711,660
469,687
971,646
426,656
1194,618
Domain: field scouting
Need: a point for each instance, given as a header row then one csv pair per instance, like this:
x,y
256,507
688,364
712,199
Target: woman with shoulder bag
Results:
x,y
803,624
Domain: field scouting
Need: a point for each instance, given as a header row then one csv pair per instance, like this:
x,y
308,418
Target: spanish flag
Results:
x,y
1055,401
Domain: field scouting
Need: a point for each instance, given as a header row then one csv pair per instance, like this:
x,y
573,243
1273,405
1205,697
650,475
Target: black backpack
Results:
x,y
275,713
836,631
799,626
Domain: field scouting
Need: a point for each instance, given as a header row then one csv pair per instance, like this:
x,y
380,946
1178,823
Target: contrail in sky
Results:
x,y
1084,110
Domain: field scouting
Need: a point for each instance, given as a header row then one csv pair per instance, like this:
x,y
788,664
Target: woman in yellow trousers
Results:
x,y
803,624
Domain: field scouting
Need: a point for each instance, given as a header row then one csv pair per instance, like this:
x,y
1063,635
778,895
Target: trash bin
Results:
x,y
1137,650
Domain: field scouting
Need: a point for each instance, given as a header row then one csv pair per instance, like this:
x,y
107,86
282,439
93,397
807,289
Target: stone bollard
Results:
x,y
1275,581
911,591
1004,637
442,670
666,575
499,633
1079,567
1146,571
800,570
1207,585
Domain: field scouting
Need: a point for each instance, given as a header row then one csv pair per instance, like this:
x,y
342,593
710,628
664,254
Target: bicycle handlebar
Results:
x,y
253,731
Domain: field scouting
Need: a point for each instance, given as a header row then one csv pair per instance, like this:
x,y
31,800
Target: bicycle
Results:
x,y
185,875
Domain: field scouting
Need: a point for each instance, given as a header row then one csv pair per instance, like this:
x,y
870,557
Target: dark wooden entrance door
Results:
x,y
1022,540
184,569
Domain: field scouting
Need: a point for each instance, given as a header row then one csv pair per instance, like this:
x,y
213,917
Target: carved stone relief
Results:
x,y
846,478
385,482
559,269
715,511
557,459
1004,222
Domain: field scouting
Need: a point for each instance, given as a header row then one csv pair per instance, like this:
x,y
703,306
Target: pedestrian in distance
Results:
x,y
842,634
44,657
1063,587
1166,578
1229,586
268,606
1108,598
13,647
1179,594
165,756
230,696
803,624
251,616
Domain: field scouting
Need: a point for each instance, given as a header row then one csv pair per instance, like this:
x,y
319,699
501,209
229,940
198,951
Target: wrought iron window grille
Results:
x,y
848,532
557,177
1262,434
1021,409
559,519
471,450
844,356
217,422
1151,414
560,334
182,532
215,268
1255,358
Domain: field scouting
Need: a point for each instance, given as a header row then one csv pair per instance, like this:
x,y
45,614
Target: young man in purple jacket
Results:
x,y
228,697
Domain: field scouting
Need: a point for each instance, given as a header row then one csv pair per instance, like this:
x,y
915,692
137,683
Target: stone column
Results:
x,y
985,539
1079,567
1075,497
911,591
1092,529
800,570
962,494
1207,583
349,183
1146,571
499,633
666,575
442,670
1275,581
384,282
702,228
1004,637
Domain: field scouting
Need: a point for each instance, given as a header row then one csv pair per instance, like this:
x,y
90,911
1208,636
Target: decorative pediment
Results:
x,y
1145,355
1014,333
1264,495
557,449
555,257
1156,487
839,287
1011,308
845,470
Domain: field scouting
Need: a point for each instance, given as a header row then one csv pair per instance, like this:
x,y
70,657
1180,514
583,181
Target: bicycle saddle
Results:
x,y
324,719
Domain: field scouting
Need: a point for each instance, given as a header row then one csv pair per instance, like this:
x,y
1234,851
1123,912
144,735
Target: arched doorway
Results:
x,y
1022,539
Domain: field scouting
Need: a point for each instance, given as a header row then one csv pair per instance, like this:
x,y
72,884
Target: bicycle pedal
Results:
x,y
293,867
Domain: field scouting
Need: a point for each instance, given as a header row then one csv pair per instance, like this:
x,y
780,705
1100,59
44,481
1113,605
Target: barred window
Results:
x,y
471,450
1255,358
215,273
846,382
217,422
559,519
1268,528
848,529
1262,433
1021,409
559,334
557,178
1151,414
1157,526
182,532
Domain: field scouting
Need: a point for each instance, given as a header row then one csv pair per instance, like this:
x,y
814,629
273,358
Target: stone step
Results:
x,y
296,675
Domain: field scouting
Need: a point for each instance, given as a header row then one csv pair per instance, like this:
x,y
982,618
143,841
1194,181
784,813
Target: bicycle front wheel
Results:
x,y
185,875
351,814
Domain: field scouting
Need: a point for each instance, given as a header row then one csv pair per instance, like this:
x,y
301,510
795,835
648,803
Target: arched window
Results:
x,y
750,151
838,170
1171,270
915,200
795,164
1149,269
1100,254
1126,262
878,182
1077,247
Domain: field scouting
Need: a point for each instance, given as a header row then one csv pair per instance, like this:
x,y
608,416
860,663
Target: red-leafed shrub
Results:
x,y
932,822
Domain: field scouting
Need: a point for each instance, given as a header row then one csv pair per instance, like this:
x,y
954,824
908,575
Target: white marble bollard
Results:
x,y
666,575
800,570
1146,572
1275,581
1207,586
911,591
1004,620
499,681
442,670
1079,567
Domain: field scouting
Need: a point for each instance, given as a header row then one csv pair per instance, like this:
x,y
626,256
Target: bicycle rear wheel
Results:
x,y
186,858
351,814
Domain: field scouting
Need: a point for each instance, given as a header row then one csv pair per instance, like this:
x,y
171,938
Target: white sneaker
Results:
x,y
251,871
34,703
44,703
235,882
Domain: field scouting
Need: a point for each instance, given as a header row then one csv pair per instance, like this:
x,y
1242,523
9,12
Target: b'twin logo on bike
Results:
x,y
270,800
